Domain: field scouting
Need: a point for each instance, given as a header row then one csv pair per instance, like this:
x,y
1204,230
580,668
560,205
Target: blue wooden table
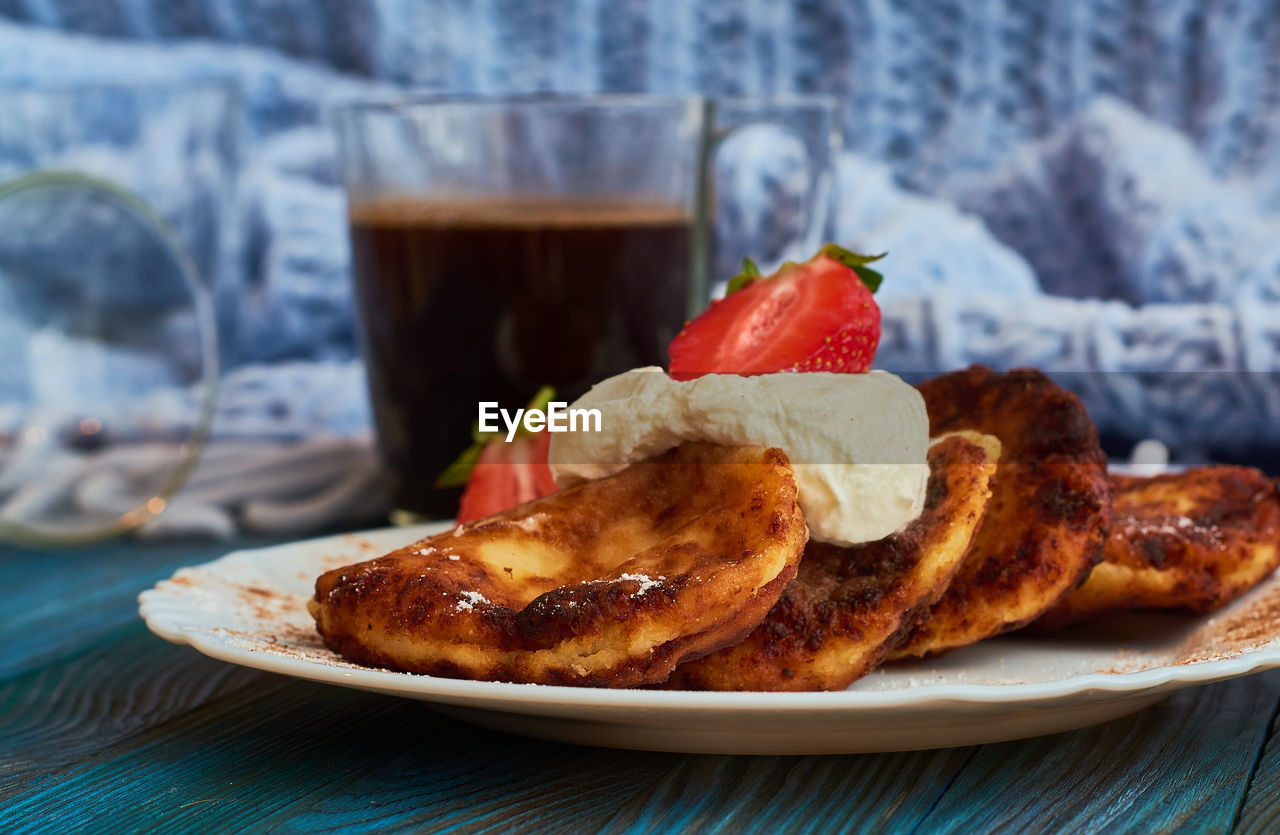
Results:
x,y
105,727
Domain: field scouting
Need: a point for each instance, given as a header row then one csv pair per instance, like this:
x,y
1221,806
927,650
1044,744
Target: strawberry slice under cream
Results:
x,y
857,442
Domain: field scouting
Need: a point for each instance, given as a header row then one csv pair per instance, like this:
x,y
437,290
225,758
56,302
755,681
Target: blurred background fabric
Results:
x,y
1088,186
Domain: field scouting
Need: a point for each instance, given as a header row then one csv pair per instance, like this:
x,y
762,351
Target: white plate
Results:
x,y
249,608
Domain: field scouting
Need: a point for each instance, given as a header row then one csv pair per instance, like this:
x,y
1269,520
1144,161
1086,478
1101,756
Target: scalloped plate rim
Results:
x,y
168,623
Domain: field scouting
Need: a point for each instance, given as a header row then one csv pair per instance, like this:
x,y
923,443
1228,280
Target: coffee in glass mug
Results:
x,y
502,245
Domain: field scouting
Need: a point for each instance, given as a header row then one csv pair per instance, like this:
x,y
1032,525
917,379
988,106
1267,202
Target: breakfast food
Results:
x,y
846,606
815,316
610,583
740,526
1049,511
857,442
1192,540
500,471
506,475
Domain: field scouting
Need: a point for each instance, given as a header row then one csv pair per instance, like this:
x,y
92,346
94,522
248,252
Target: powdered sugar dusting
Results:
x,y
646,582
470,599
1173,527
530,524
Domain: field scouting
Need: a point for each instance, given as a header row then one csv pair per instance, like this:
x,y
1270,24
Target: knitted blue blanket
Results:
x,y
1090,187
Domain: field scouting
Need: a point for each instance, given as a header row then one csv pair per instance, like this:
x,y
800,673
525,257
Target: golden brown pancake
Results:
x,y
844,609
610,583
1193,540
1049,512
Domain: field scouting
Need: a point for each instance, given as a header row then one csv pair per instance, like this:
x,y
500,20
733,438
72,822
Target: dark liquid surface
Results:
x,y
487,301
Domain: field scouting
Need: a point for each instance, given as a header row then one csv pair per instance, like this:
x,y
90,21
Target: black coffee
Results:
x,y
487,301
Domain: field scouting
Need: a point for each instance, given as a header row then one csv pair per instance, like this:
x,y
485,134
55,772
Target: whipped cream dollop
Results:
x,y
857,442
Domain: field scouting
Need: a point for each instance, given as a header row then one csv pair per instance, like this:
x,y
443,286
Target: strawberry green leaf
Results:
x,y
482,437
869,277
857,262
750,274
457,473
541,398
848,257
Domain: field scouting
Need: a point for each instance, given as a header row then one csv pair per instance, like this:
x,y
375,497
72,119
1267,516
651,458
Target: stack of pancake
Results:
x,y
694,570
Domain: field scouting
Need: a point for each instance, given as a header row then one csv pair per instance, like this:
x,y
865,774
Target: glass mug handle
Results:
x,y
101,303
768,174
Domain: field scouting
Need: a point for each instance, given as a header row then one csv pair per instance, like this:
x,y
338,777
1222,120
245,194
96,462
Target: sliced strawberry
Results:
x,y
507,475
815,316
850,351
500,474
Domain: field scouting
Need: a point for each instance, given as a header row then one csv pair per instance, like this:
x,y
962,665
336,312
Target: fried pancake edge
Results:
x,y
1191,541
848,606
609,583
1049,514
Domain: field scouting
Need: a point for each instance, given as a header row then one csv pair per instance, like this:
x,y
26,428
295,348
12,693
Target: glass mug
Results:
x,y
500,245
116,267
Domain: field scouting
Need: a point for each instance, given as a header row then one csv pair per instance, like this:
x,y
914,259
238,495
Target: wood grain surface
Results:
x,y
104,727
